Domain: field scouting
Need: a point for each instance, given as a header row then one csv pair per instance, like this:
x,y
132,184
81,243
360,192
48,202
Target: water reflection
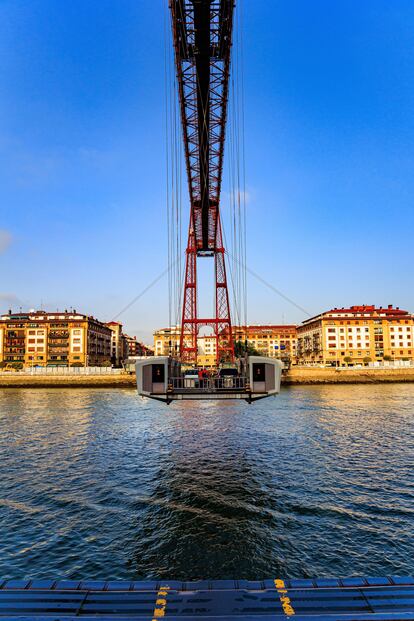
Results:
x,y
100,483
208,493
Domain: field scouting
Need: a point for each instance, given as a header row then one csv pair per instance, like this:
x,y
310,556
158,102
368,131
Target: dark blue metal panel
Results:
x,y
349,599
70,585
93,585
327,582
402,579
295,583
118,585
351,582
42,584
16,584
378,581
149,585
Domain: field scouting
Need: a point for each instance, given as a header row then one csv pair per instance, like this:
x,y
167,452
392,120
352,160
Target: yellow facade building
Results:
x,y
275,341
43,339
356,335
167,342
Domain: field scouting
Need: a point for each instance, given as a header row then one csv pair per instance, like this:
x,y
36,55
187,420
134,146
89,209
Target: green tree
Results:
x,y
347,359
240,349
387,358
367,359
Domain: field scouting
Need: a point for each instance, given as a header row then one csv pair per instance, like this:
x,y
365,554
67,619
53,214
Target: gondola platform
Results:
x,y
163,379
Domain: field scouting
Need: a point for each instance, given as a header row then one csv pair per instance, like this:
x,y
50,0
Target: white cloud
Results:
x,y
5,240
234,196
9,300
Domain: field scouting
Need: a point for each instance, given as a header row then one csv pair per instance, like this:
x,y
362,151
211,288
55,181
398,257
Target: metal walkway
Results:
x,y
349,599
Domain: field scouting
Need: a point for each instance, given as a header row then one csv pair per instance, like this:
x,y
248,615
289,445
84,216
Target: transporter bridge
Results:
x,y
202,36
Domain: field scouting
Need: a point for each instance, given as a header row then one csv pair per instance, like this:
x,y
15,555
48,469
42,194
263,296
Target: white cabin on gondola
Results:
x,y
161,378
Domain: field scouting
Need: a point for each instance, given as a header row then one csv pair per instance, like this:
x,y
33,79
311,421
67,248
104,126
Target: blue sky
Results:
x,y
329,135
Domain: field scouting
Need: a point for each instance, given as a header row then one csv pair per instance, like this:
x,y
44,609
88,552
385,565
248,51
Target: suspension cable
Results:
x,y
275,290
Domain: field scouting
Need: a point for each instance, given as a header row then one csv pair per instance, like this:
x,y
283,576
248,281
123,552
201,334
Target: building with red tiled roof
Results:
x,y
356,335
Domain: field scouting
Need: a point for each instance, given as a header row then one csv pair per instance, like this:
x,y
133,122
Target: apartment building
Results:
x,y
167,342
38,338
356,335
119,345
274,341
135,348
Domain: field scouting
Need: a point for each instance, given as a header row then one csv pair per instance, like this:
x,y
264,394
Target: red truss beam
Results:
x,y
202,33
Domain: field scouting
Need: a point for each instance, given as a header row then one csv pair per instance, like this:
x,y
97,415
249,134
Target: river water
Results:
x,y
101,484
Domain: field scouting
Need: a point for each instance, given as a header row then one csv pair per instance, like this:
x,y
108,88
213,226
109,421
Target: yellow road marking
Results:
x,y
284,599
161,603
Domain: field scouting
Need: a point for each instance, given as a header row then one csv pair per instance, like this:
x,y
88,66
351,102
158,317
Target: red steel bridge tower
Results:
x,y
202,33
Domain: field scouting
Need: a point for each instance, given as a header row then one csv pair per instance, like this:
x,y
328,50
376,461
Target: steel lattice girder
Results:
x,y
202,31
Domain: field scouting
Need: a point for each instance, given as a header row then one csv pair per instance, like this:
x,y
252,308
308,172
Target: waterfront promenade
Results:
x,y
296,375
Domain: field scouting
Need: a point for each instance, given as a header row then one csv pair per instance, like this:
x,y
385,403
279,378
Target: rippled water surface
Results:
x,y
98,483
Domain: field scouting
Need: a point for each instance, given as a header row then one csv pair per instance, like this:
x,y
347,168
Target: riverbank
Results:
x,y
315,375
306,376
67,381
